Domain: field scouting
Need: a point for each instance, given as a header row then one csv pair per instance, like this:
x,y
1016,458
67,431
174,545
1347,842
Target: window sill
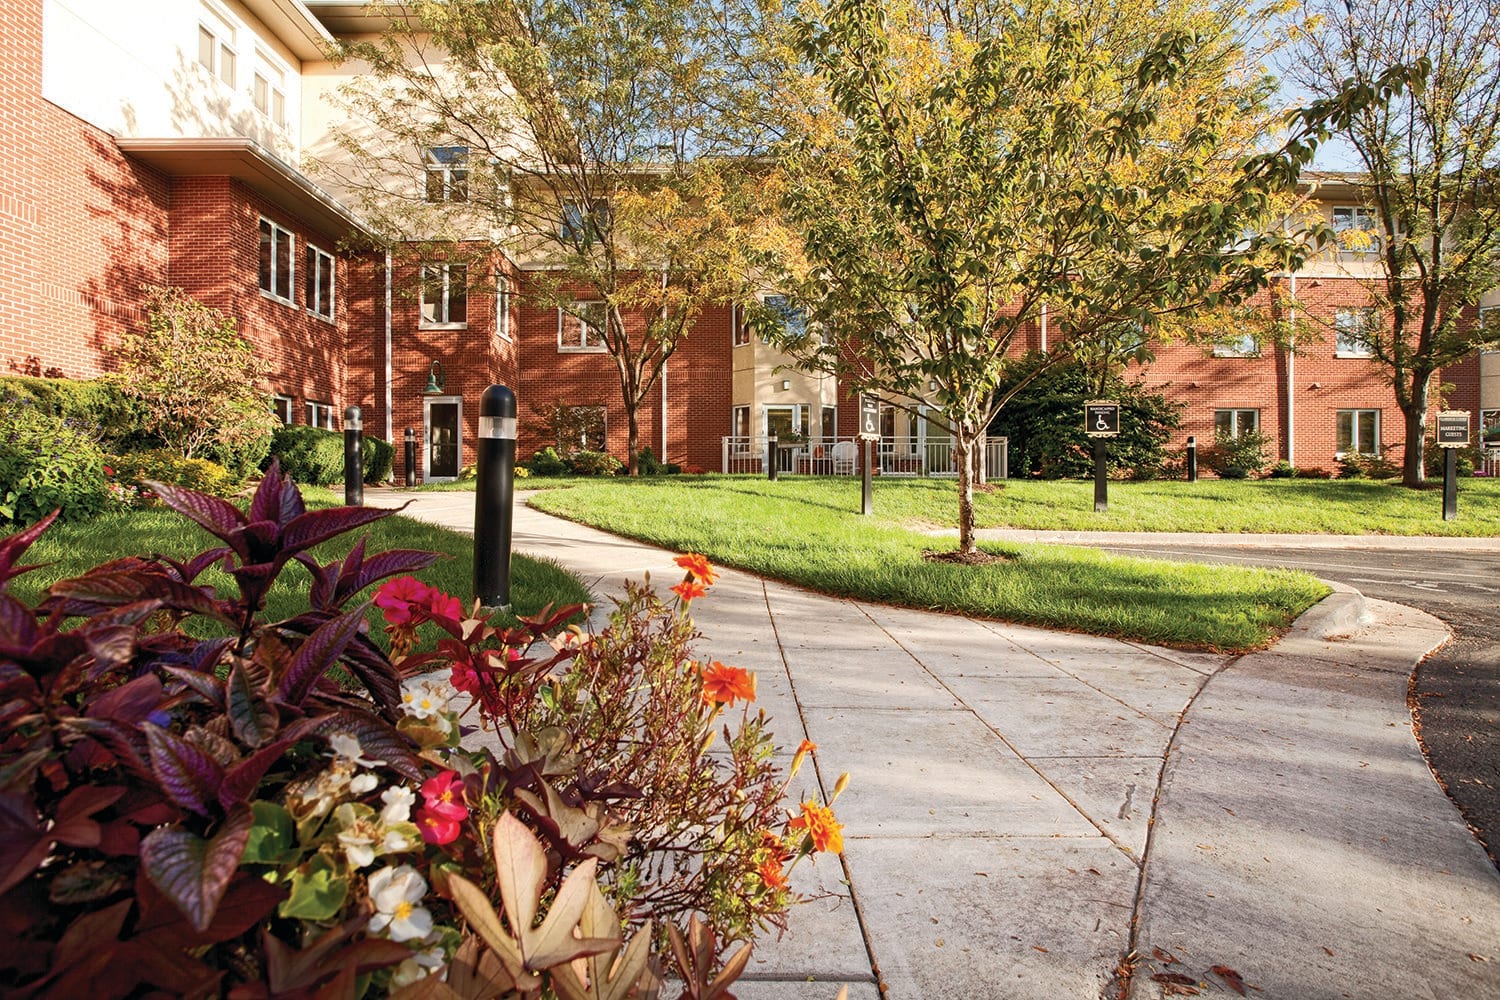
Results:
x,y
277,298
1354,355
443,326
317,315
581,350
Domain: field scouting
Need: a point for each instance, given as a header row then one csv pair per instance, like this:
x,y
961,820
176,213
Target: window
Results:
x,y
1358,432
318,276
1489,428
581,329
268,90
447,173
1244,347
283,407
1352,329
216,51
1233,423
793,320
1358,231
445,295
275,261
1489,322
739,428
830,423
739,329
502,307
583,225
320,415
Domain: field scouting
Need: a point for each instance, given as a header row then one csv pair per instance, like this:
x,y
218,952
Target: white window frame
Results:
x,y
588,340
1236,424
1360,320
1489,417
502,307
215,24
313,281
285,408
1483,312
278,236
448,168
1246,346
319,414
268,88
739,429
791,316
1359,218
442,317
1353,418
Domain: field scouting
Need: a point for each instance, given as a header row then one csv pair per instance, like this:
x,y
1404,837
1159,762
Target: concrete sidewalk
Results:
x,y
1049,815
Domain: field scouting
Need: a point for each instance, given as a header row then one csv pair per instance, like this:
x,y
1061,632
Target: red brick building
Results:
x,y
168,150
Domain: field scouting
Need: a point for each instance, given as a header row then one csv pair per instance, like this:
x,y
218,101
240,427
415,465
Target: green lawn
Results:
x,y
808,532
70,549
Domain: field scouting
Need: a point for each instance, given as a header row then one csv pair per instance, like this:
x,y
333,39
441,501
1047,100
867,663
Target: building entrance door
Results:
x,y
443,417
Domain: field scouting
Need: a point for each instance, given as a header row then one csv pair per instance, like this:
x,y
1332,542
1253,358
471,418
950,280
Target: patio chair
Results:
x,y
845,458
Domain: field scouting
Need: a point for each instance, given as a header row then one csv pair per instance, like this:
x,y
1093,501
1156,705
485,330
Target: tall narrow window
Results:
x,y
583,223
1358,432
581,328
445,295
1352,331
268,90
318,278
739,329
216,48
275,261
502,307
282,406
447,173
1357,230
793,320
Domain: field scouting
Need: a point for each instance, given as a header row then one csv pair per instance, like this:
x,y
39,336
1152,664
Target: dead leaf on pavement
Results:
x,y
1232,978
1176,984
1164,956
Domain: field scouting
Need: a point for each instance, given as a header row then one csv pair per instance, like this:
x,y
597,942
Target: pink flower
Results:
x,y
436,828
443,795
398,597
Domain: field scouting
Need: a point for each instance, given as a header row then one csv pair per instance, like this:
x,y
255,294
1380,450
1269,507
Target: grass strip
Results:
x,y
813,536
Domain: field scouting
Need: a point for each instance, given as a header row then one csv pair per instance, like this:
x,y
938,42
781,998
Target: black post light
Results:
x,y
354,459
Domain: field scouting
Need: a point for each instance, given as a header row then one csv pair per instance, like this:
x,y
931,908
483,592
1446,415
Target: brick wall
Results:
x,y
81,227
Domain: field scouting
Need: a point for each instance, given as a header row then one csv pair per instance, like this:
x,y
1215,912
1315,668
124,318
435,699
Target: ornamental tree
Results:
x,y
956,172
596,140
1427,161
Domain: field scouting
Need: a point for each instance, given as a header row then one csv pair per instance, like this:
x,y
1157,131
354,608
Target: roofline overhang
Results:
x,y
252,164
295,25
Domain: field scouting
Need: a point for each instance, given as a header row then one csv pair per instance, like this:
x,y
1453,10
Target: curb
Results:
x,y
1337,616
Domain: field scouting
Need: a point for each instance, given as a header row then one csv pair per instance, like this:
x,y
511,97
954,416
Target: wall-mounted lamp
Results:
x,y
434,380
932,385
786,383
1316,385
1192,385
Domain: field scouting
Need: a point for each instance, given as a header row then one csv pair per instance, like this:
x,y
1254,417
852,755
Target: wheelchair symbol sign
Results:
x,y
1101,418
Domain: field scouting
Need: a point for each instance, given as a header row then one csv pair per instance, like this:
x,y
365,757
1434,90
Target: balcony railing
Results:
x,y
895,456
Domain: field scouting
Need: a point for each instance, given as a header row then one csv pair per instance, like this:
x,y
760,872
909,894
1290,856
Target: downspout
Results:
x,y
1291,378
390,439
1044,328
664,412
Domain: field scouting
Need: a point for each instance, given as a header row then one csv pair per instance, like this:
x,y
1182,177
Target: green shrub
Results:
x,y
132,470
1356,466
548,462
98,407
1432,458
1283,470
595,463
47,462
242,458
309,455
1236,456
647,464
378,456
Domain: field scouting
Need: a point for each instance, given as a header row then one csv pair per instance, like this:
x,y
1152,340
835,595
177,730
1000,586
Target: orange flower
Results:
x,y
772,874
698,566
820,825
689,589
806,746
726,685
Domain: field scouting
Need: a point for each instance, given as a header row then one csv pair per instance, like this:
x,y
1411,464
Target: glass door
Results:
x,y
443,417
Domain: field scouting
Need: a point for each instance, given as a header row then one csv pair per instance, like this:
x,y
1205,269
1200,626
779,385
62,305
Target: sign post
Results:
x,y
869,433
1452,434
1101,420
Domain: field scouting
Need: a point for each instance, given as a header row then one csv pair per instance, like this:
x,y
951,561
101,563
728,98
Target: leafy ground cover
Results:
x,y
70,549
808,532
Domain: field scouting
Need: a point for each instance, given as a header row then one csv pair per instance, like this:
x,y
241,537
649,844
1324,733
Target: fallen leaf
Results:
x,y
1164,956
1232,978
1328,950
938,943
1037,947
1094,871
1176,984
1477,958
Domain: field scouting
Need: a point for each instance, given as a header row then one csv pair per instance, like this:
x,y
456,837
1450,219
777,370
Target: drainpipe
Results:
x,y
388,365
1044,327
663,412
1291,378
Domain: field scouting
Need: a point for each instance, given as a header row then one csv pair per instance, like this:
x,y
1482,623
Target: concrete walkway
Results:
x,y
1038,814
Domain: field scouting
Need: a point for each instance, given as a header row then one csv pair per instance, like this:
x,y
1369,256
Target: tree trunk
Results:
x,y
963,446
1413,468
633,440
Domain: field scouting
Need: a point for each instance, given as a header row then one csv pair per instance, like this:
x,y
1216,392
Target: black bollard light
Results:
x,y
354,459
411,457
1101,479
1192,460
771,457
1450,484
493,496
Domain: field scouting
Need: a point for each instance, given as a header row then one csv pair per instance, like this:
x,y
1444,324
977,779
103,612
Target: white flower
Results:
x,y
398,802
362,783
395,893
419,966
347,745
426,699
394,842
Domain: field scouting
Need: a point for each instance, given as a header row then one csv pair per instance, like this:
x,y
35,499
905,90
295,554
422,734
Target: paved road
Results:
x,y
1458,688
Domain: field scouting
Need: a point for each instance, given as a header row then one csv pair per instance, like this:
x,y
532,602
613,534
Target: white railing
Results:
x,y
899,456
1489,462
